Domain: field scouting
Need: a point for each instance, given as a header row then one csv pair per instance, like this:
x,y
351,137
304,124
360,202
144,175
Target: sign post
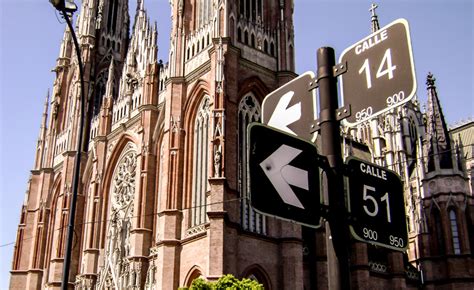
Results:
x,y
377,205
380,72
377,76
334,190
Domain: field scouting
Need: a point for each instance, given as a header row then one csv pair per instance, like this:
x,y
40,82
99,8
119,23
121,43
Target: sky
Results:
x,y
31,31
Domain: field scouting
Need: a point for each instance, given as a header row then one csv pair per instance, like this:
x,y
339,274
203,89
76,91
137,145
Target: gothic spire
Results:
x,y
141,5
153,43
110,80
45,110
66,45
139,13
42,134
374,18
437,135
110,20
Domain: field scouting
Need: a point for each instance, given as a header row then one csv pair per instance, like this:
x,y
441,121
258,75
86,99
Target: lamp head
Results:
x,y
67,5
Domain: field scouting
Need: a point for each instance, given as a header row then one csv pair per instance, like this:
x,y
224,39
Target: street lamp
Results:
x,y
67,8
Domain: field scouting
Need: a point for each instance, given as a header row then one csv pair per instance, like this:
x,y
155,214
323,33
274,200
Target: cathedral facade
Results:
x,y
163,188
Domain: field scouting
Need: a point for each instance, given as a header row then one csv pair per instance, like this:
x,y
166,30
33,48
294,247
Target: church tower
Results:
x,y
163,190
163,186
438,200
444,248
224,57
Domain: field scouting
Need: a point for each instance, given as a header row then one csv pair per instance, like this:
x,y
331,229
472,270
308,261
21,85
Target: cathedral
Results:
x,y
163,189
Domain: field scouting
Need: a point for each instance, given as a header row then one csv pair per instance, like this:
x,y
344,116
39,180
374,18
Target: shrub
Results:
x,y
226,282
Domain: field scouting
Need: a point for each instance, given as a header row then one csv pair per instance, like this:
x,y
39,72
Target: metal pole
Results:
x,y
331,148
77,161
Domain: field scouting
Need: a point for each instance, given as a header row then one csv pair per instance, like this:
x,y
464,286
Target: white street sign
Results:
x,y
284,174
292,107
284,115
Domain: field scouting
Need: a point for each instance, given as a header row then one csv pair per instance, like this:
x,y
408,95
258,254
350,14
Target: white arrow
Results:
x,y
281,174
283,116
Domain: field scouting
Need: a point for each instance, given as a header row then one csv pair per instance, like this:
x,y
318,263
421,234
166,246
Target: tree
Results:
x,y
226,282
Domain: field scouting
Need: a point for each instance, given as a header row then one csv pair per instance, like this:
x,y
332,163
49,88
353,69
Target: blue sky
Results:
x,y
30,34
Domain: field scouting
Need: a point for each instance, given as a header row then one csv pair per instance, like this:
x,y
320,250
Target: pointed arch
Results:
x,y
291,57
107,179
119,208
200,162
248,111
231,31
158,131
58,220
194,273
437,241
257,273
196,115
158,149
256,86
239,34
52,202
453,222
201,87
88,168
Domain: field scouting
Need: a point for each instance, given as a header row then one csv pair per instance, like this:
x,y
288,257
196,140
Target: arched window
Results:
x,y
437,238
99,92
200,166
291,57
158,188
454,232
119,222
258,274
249,111
194,274
251,9
204,15
112,16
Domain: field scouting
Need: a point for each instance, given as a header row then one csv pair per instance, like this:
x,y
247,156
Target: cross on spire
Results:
x,y
374,19
372,9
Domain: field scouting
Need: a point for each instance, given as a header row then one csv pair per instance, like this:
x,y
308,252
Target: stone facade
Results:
x,y
163,187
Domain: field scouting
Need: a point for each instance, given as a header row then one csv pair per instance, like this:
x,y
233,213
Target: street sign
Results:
x,y
291,107
284,175
376,205
380,73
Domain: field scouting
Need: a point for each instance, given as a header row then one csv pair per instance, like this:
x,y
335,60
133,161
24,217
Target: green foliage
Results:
x,y
226,282
200,284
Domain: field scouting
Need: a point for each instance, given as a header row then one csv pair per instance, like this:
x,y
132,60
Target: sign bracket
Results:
x,y
337,70
341,113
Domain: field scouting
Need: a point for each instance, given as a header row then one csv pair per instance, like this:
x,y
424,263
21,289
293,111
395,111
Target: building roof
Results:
x,y
464,134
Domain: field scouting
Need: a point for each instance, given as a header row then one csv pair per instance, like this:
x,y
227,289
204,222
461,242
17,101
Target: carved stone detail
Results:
x,y
116,272
196,230
124,182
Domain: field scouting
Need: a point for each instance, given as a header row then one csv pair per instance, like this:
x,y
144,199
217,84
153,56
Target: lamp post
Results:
x,y
67,8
